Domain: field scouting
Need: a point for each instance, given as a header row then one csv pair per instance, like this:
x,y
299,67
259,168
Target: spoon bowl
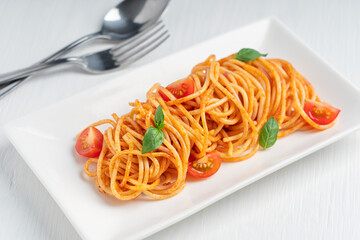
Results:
x,y
131,16
121,22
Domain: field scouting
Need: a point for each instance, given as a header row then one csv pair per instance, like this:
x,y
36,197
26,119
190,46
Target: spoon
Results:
x,y
122,21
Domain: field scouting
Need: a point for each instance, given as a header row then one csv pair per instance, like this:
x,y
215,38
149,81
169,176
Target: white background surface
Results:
x,y
315,198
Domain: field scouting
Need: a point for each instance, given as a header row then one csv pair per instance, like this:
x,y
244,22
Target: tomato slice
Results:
x,y
181,88
89,143
204,167
321,113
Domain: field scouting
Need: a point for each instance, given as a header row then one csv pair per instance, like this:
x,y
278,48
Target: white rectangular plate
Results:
x,y
45,139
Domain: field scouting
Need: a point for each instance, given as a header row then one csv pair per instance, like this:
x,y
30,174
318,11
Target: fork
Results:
x,y
121,55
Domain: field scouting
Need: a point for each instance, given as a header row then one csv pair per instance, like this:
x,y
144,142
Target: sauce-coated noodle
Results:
x,y
231,102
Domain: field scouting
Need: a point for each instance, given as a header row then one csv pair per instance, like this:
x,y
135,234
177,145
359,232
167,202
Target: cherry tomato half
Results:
x,y
181,88
320,113
89,143
204,167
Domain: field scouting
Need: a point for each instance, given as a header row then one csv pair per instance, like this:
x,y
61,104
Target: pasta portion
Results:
x,y
230,103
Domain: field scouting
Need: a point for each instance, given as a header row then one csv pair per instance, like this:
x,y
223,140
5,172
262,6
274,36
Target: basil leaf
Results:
x,y
268,133
248,54
153,139
159,117
161,126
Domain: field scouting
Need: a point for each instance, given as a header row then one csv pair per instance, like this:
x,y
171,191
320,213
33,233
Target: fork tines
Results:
x,y
141,44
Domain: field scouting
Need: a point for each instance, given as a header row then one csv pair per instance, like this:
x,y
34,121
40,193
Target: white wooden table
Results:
x,y
315,198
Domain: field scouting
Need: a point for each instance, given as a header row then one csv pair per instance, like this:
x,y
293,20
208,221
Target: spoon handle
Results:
x,y
76,43
9,86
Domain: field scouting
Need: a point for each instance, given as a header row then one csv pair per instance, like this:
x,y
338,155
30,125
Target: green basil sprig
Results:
x,y
248,54
159,118
154,137
268,133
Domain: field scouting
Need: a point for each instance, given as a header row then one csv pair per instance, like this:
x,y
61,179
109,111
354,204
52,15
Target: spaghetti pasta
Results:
x,y
231,102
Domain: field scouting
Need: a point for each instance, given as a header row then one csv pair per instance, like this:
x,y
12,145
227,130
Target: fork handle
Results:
x,y
11,76
61,52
